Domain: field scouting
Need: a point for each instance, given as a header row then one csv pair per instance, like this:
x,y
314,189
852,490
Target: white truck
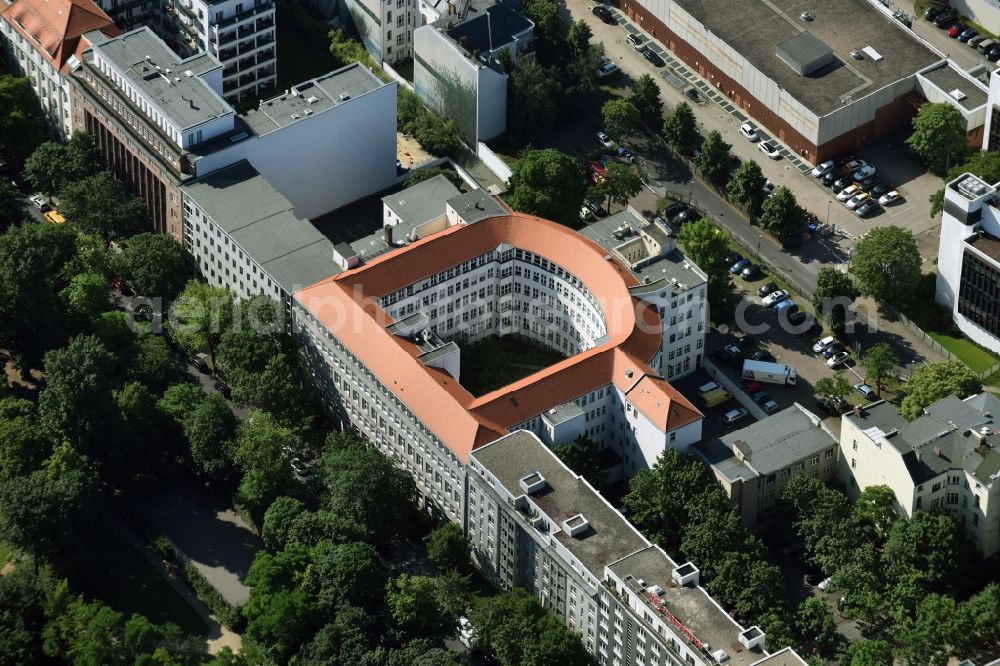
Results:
x,y
773,373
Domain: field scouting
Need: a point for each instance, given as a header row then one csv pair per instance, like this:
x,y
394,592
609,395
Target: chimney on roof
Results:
x,y
387,234
857,410
937,451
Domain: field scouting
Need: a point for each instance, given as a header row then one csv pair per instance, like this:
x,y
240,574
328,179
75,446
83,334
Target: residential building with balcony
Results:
x,y
948,459
160,120
385,26
535,524
457,64
240,33
131,14
44,40
968,267
753,464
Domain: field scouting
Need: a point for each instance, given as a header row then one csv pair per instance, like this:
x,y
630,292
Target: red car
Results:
x,y
753,387
957,29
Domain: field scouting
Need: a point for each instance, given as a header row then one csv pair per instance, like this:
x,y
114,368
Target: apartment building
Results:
x,y
44,40
457,64
753,464
382,341
160,120
948,459
240,33
131,14
535,524
385,26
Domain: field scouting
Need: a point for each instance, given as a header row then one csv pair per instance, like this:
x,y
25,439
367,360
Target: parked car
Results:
x,y
867,208
820,169
625,153
934,11
868,183
603,13
744,341
735,415
993,54
832,349
956,29
985,45
54,217
693,95
766,289
654,59
864,172
867,392
595,208
838,359
774,297
768,188
604,140
967,34
880,189
857,200
733,257
635,41
797,317
769,407
842,182
769,149
974,42
823,344
607,69
760,396
852,166
223,389
39,201
749,132
787,306
753,387
763,355
890,197
142,312
751,272
736,268
848,192
199,364
944,20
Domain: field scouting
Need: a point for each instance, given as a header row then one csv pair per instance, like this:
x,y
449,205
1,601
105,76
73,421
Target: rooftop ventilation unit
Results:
x,y
532,483
973,188
312,99
344,97
575,525
957,95
806,16
872,53
720,655
856,54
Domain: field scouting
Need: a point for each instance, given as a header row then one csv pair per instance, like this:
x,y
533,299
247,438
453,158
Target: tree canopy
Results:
x,y
933,382
154,265
646,98
549,184
834,296
533,103
747,187
20,129
707,246
782,217
621,118
713,159
887,264
680,129
99,204
939,136
880,363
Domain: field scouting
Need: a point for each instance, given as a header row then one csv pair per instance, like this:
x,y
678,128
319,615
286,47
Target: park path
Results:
x,y
218,635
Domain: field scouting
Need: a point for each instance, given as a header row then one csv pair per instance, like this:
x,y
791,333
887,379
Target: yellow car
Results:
x,y
54,217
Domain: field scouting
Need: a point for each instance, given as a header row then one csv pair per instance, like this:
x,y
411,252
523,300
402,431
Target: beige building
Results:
x,y
753,464
946,460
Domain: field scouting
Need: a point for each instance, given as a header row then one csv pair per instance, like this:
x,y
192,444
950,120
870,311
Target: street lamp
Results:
x,y
829,201
759,236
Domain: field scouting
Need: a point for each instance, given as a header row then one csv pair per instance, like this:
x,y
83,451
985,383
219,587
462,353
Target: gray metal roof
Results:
x,y
610,536
423,202
312,97
805,52
172,84
781,439
948,77
486,30
258,219
476,205
562,413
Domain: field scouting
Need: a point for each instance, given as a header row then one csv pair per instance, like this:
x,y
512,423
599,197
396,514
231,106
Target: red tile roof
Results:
x,y
345,305
56,27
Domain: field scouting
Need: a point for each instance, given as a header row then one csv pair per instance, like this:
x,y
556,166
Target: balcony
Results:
x,y
264,24
226,38
229,71
227,54
246,31
266,55
246,63
265,40
264,11
265,72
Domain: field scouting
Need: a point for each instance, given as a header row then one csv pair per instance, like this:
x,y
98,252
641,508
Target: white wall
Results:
x,y
983,12
492,104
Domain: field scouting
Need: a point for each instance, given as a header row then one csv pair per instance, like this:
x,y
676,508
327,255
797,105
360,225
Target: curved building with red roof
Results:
x,y
382,340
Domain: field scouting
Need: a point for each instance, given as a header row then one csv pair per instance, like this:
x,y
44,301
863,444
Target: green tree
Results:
x,y
939,137
209,430
347,640
707,246
199,316
23,597
550,30
815,623
657,498
420,175
621,183
646,98
179,400
876,509
45,169
746,583
81,157
887,264
152,362
76,403
578,38
982,611
928,545
154,265
581,456
346,50
782,217
436,134
100,205
833,387
680,129
712,529
20,129
933,382
880,363
349,573
448,548
863,652
533,103
10,204
278,520
89,634
747,187
418,609
259,453
23,445
87,296
547,183
713,161
621,118
834,296
935,633
286,622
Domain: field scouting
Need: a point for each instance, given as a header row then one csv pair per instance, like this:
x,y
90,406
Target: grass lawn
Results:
x,y
123,579
300,57
492,363
971,354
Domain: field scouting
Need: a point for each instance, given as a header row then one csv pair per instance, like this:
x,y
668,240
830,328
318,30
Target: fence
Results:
x,y
936,346
493,162
734,390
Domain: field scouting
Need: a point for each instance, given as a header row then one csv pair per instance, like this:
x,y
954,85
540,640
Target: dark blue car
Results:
x,y
739,266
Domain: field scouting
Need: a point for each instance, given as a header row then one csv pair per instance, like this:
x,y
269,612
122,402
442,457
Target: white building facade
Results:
x,y
385,26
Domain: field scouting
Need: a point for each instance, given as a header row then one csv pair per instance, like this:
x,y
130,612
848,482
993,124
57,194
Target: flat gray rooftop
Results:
x,y
562,413
423,202
311,97
690,605
172,83
781,439
754,29
609,538
947,78
476,205
723,460
672,265
261,222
